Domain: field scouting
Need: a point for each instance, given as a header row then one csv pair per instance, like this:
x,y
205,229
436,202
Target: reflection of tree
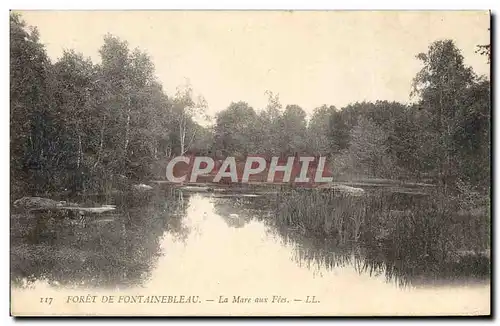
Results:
x,y
399,264
231,212
235,211
119,249
418,246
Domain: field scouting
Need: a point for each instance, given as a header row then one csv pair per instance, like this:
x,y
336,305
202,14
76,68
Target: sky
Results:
x,y
309,58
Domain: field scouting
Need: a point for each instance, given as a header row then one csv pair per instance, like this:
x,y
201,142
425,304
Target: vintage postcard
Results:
x,y
250,163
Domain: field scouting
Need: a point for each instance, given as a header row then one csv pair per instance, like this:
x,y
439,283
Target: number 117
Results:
x,y
46,300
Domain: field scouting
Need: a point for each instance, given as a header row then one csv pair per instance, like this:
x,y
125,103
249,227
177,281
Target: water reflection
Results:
x,y
212,246
123,248
106,250
403,256
256,259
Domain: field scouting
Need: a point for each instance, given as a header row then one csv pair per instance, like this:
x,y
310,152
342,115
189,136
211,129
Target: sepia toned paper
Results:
x,y
397,103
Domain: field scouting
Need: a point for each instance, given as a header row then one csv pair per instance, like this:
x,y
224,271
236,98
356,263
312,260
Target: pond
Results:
x,y
204,249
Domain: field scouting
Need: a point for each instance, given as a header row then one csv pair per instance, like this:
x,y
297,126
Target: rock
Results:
x,y
37,203
349,190
197,188
105,220
142,187
83,210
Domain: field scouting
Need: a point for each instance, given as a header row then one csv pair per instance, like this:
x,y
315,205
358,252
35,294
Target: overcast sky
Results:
x,y
309,58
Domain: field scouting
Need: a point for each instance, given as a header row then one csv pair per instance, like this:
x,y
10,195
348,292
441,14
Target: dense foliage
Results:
x,y
85,126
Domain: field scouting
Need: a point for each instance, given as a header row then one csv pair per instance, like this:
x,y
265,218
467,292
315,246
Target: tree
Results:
x,y
471,134
339,131
113,119
75,98
294,130
186,109
318,130
116,104
236,130
31,126
270,122
440,84
78,125
369,149
485,49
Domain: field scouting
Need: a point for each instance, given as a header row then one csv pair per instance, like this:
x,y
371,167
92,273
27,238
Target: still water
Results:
x,y
210,249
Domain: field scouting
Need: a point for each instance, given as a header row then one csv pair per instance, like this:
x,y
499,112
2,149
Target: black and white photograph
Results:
x,y
250,163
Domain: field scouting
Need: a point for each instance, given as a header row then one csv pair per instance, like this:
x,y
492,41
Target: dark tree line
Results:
x,y
443,137
85,126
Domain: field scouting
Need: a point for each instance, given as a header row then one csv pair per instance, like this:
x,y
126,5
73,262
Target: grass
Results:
x,y
426,235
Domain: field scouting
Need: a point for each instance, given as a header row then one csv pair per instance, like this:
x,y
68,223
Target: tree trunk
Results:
x,y
101,143
79,159
127,130
182,133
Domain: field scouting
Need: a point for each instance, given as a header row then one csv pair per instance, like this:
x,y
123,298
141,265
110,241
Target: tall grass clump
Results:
x,y
428,235
328,213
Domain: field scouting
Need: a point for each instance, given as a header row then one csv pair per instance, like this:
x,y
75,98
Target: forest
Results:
x,y
82,126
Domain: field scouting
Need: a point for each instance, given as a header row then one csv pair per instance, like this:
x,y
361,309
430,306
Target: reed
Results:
x,y
431,225
429,238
